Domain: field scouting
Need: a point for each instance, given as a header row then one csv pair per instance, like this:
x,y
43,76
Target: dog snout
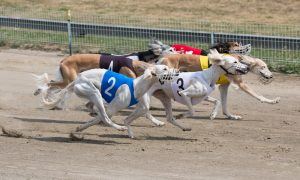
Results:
x,y
267,76
271,76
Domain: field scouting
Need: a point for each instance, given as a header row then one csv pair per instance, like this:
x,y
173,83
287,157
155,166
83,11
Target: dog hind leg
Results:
x,y
216,107
168,107
194,90
87,90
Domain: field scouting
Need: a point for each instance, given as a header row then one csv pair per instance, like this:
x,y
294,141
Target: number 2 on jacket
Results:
x,y
111,86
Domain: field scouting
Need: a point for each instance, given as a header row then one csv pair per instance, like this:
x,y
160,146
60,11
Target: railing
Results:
x,y
278,44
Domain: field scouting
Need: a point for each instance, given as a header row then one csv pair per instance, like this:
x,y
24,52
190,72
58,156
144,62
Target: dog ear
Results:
x,y
217,62
158,42
148,73
215,57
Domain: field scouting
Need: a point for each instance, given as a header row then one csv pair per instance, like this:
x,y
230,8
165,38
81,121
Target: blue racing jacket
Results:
x,y
110,84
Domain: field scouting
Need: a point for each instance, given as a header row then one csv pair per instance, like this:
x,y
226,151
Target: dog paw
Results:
x,y
131,136
187,129
56,108
93,114
122,128
159,123
234,117
213,116
76,137
276,100
179,116
130,133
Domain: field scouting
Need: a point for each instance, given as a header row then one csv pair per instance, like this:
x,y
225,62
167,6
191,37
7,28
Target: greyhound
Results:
x,y
125,64
191,88
191,63
231,47
117,90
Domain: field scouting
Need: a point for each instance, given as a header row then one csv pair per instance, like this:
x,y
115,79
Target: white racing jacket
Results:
x,y
183,81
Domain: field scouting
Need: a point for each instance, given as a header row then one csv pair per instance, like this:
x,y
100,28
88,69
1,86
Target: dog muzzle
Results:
x,y
242,49
168,76
239,69
265,80
242,69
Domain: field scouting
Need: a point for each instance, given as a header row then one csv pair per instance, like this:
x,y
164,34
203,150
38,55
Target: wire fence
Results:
x,y
277,44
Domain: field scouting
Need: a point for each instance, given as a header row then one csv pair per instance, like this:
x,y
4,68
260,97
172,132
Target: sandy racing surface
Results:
x,y
265,144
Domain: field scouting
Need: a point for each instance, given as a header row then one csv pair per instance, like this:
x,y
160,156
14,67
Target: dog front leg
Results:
x,y
168,107
161,96
223,88
141,109
166,101
261,98
154,120
96,98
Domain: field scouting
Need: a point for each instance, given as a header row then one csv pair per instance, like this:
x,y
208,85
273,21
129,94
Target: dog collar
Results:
x,y
227,72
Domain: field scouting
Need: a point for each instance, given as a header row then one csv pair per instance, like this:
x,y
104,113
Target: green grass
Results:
x,y
286,61
285,67
156,22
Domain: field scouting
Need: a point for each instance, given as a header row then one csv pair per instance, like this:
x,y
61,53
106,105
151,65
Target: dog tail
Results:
x,y
41,82
57,98
58,74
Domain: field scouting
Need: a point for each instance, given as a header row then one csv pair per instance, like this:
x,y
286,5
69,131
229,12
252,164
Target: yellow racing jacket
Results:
x,y
204,63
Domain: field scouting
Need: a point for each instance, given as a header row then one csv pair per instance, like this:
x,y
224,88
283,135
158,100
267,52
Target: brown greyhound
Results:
x,y
71,66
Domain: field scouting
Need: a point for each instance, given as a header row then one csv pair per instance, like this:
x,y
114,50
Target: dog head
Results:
x,y
160,49
259,67
162,72
232,47
229,64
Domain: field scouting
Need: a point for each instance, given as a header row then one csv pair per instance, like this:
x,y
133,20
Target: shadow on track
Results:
x,y
41,120
84,141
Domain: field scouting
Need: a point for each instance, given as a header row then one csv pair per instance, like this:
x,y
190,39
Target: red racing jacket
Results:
x,y
184,49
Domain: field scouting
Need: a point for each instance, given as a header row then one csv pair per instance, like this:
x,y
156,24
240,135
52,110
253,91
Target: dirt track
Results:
x,y
265,144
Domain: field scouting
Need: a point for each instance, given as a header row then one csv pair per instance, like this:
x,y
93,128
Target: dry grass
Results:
x,y
258,11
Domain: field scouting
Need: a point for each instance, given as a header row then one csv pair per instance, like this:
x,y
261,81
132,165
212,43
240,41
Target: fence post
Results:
x,y
212,38
69,32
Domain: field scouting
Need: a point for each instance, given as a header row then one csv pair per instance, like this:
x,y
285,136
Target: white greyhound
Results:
x,y
117,90
191,88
